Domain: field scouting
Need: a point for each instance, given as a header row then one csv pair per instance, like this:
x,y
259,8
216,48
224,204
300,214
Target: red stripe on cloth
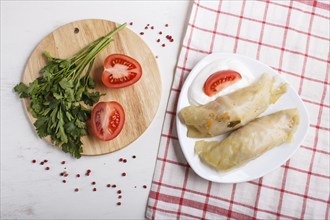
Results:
x,y
316,103
172,212
297,9
316,139
289,192
262,29
316,150
184,186
328,209
266,22
239,27
173,162
207,196
317,4
173,118
215,27
320,127
231,201
256,204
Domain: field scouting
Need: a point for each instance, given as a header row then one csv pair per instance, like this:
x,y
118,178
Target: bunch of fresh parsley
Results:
x,y
58,94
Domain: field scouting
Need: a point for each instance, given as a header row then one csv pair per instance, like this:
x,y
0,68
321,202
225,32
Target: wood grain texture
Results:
x,y
140,101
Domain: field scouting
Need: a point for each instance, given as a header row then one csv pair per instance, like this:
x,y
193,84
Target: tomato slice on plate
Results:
x,y
220,80
107,120
120,71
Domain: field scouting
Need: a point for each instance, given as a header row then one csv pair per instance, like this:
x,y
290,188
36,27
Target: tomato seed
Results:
x,y
123,174
124,160
78,175
120,159
145,186
108,185
94,189
141,33
41,163
166,25
119,191
146,27
47,168
34,161
64,181
160,32
152,27
76,189
93,183
63,162
118,203
163,45
119,197
171,40
158,40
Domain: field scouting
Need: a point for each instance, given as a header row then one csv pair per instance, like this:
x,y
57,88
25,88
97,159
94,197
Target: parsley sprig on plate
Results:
x,y
58,94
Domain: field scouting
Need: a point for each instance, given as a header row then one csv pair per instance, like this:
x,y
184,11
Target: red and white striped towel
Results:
x,y
293,38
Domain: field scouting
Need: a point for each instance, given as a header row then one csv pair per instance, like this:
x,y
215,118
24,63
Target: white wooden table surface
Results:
x,y
28,191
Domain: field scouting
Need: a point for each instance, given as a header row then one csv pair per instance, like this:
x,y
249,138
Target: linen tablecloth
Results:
x,y
292,37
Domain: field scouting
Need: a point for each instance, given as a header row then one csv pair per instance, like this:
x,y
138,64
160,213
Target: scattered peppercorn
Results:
x,y
145,186
63,162
94,189
78,175
76,189
64,181
133,156
34,161
93,183
119,191
108,185
123,174
47,168
118,203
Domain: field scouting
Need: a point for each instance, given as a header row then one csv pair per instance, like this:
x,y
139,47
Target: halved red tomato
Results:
x,y
107,120
220,80
120,71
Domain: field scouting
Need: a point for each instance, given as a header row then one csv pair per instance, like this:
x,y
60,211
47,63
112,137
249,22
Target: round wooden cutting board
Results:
x,y
140,100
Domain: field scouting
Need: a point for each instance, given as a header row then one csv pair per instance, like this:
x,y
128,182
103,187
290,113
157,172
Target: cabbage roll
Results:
x,y
250,141
231,111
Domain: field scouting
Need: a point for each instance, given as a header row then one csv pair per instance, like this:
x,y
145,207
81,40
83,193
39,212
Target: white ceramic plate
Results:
x,y
266,162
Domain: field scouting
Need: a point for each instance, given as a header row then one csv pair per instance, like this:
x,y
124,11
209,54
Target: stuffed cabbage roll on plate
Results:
x,y
232,111
267,161
249,141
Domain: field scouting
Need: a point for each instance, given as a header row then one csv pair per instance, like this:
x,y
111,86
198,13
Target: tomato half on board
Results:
x,y
107,120
220,80
120,71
